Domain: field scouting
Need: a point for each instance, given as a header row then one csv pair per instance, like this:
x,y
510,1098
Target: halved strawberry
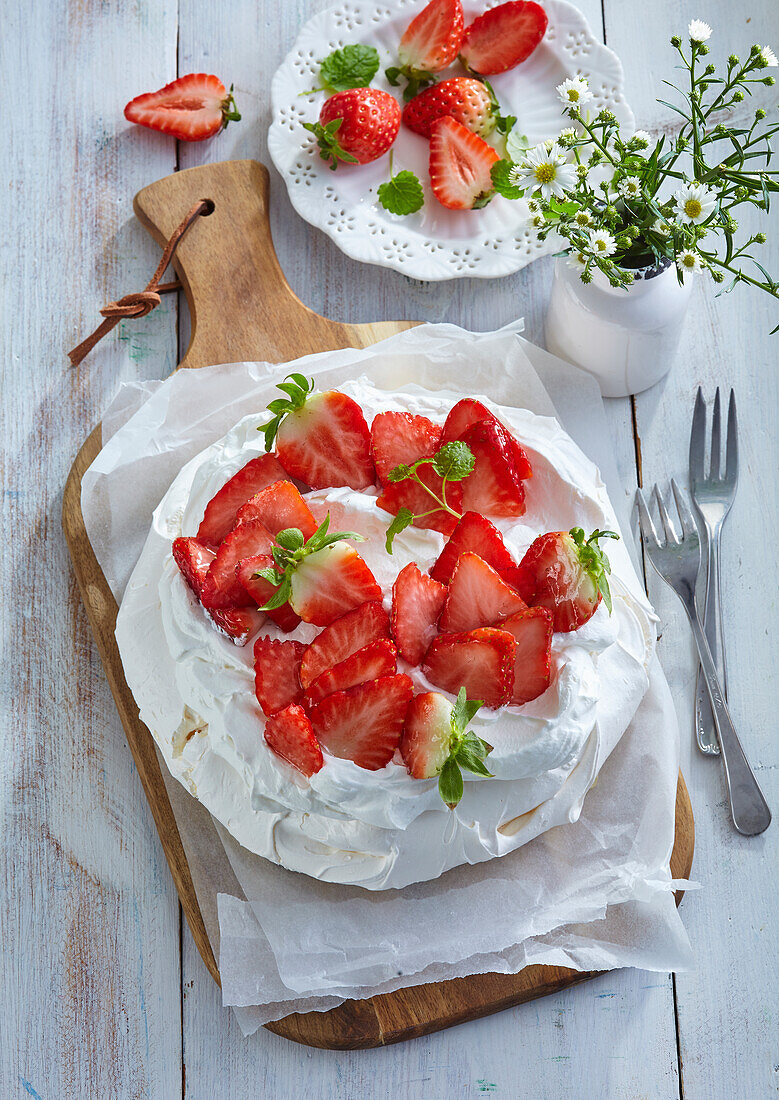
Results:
x,y
494,487
193,559
481,661
460,164
364,724
399,438
477,596
279,507
462,98
567,574
503,37
291,736
532,631
221,513
261,591
475,533
411,495
321,438
192,108
348,634
329,582
431,41
427,734
369,663
467,412
417,602
221,588
277,673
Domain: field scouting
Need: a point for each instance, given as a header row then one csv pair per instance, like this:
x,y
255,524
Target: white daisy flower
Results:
x,y
577,260
601,242
582,218
661,227
699,31
544,170
694,203
567,137
769,57
640,140
630,187
689,261
574,92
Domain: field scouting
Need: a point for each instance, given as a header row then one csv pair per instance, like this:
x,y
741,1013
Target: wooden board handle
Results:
x,y
229,269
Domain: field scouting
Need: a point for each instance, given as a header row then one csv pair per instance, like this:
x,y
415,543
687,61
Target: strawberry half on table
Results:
x,y
430,43
192,108
356,126
503,37
460,166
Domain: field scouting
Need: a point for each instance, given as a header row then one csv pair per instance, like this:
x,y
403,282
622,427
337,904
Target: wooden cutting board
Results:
x,y
243,309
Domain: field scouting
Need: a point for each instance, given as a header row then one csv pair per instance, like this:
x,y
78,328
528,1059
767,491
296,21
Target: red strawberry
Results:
x,y
364,724
398,438
329,582
192,108
427,734
460,164
347,635
503,36
221,588
321,438
409,494
222,510
193,559
417,601
462,98
475,533
277,673
280,507
368,663
568,575
468,412
356,126
532,631
481,661
494,487
477,596
431,41
261,591
290,734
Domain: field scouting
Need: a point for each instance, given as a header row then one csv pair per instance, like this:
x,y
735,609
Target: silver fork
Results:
x,y
712,496
678,561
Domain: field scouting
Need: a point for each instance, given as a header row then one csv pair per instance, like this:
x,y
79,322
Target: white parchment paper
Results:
x,y
594,894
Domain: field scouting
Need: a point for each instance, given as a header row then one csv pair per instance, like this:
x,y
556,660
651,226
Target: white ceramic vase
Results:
x,y
628,338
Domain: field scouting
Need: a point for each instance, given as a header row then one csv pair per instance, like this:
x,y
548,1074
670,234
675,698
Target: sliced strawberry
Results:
x,y
460,164
291,736
411,495
503,37
261,591
330,582
239,624
364,724
431,41
222,589
194,559
398,438
532,631
477,534
566,574
427,734
481,661
462,98
277,673
468,412
221,513
417,602
280,507
348,634
369,663
192,108
477,596
494,487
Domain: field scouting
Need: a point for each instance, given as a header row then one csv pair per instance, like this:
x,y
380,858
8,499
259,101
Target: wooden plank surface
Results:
x,y
87,894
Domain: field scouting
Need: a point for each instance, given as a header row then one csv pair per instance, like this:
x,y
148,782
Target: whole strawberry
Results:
x,y
356,126
464,99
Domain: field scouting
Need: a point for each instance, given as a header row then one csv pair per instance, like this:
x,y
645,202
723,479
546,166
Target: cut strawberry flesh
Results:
x,y
290,735
401,439
532,632
417,602
460,165
330,582
369,663
280,507
427,734
432,39
222,510
222,589
503,37
326,443
477,534
467,412
277,673
261,591
494,487
191,108
481,661
477,596
364,724
194,559
347,635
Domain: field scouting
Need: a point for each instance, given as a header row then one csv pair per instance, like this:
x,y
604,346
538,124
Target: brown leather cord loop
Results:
x,y
144,301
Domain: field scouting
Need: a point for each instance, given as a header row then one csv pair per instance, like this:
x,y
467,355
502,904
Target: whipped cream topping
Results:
x,y
195,688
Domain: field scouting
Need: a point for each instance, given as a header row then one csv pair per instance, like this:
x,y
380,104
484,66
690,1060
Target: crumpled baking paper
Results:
x,y
591,895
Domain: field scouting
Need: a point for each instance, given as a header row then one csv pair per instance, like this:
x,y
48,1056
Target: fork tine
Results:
x,y
645,521
670,534
731,455
698,438
715,439
683,508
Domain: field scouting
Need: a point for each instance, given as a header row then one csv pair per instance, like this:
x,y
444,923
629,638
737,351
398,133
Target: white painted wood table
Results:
x,y
104,994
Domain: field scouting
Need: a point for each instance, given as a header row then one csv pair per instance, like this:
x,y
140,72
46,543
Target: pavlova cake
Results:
x,y
378,635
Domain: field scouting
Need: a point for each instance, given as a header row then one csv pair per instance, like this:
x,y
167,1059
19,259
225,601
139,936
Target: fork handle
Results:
x,y
747,804
705,729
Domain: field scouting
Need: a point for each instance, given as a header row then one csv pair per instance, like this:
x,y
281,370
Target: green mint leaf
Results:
x,y
352,66
500,178
400,473
402,520
504,124
469,760
402,194
454,461
291,538
450,783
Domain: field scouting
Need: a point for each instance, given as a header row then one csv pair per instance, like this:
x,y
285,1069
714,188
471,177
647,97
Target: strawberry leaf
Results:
x,y
450,783
463,711
298,392
402,520
471,761
352,66
402,194
327,140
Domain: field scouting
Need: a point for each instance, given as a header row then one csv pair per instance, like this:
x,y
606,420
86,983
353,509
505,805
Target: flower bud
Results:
x,y
769,81
760,238
586,277
759,114
710,69
703,48
676,41
754,51
734,59
738,95
718,276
